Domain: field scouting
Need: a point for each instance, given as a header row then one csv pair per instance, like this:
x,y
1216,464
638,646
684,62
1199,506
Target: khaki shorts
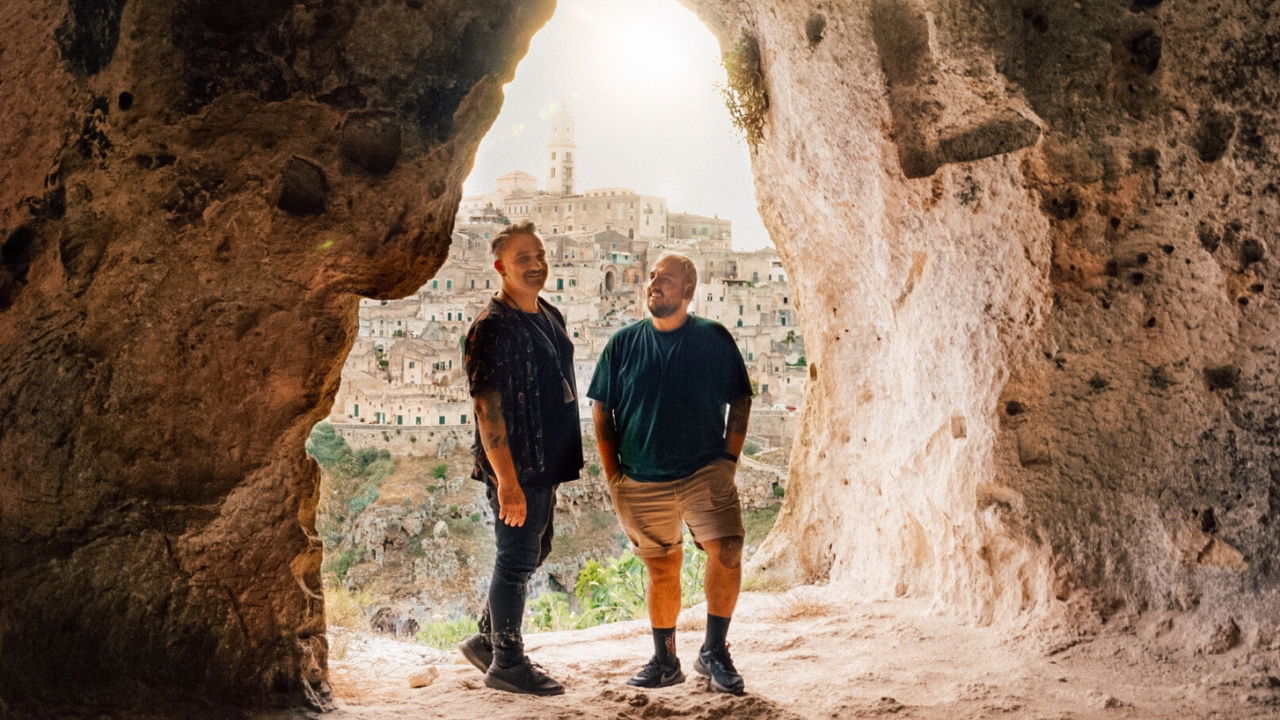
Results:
x,y
651,512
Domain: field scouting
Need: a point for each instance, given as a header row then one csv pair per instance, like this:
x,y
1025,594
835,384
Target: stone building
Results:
x,y
688,230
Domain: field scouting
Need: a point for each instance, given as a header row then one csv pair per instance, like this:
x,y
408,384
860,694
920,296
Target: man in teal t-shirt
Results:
x,y
661,390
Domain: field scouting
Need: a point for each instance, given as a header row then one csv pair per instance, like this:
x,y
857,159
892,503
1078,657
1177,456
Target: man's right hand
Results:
x,y
511,508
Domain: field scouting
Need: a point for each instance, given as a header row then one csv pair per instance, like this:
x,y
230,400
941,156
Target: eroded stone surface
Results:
x,y
1036,417
169,333
1033,244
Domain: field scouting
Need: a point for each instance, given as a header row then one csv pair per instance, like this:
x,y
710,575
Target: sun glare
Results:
x,y
642,80
646,47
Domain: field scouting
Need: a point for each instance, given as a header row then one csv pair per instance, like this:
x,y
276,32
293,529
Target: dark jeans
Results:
x,y
520,551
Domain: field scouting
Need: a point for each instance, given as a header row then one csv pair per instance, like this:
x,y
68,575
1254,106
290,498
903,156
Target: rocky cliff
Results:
x,y
1034,246
195,195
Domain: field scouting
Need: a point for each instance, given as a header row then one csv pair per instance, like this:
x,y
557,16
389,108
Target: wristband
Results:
x,y
729,456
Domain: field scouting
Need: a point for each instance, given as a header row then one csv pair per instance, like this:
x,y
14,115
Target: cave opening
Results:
x,y
1034,247
636,154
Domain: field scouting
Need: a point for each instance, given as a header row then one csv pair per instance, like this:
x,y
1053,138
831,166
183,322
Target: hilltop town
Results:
x,y
403,384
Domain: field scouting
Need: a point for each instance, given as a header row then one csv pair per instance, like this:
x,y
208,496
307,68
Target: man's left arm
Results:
x,y
735,429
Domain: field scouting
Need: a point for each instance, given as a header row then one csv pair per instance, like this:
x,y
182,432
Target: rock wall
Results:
x,y
410,440
1034,246
195,194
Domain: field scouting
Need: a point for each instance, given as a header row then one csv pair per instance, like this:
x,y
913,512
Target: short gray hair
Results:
x,y
500,240
690,270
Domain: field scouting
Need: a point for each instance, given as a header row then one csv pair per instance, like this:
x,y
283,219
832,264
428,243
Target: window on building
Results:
x,y
783,318
559,283
751,356
764,388
417,420
486,284
463,420
410,364
739,323
356,412
473,284
448,284
784,299
739,309
441,419
449,316
435,284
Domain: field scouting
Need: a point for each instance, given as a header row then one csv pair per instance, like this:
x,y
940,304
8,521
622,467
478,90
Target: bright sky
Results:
x,y
642,79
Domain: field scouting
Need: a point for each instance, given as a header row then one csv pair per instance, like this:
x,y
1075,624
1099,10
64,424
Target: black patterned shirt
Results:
x,y
511,352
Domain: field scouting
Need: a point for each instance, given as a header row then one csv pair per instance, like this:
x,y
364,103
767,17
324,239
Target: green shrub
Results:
x,y
745,96
750,448
475,517
357,504
340,565
327,446
611,591
446,634
550,611
759,522
440,471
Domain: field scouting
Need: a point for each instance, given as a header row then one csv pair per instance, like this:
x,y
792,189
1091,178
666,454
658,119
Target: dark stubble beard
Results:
x,y
660,310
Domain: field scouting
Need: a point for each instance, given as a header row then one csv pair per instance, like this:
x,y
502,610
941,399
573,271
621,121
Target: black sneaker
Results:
x,y
717,666
656,674
478,651
524,677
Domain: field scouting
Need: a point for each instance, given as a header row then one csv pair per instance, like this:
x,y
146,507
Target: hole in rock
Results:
x,y
616,161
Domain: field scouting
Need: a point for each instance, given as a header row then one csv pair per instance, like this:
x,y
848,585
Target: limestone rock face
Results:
x,y
1034,246
194,195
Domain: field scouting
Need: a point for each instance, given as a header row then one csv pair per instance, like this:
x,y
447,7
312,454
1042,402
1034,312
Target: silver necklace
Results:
x,y
569,395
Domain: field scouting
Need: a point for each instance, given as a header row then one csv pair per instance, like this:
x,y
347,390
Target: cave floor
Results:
x,y
804,656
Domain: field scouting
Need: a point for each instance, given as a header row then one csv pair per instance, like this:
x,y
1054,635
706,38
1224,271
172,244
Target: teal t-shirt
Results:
x,y
669,392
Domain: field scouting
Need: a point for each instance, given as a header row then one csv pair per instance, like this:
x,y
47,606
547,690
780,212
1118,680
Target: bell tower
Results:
x,y
560,154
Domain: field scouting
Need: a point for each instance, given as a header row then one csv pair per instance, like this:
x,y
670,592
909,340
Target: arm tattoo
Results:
x,y
494,428
739,414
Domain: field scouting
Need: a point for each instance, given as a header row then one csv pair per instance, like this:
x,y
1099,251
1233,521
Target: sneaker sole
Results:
x,y
701,669
673,681
473,658
499,684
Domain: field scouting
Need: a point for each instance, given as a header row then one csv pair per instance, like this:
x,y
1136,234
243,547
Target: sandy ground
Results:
x,y
805,657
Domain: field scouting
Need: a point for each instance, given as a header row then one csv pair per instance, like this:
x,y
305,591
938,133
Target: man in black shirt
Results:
x,y
519,362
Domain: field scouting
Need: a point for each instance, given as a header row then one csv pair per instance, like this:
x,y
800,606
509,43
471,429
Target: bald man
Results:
x,y
660,395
